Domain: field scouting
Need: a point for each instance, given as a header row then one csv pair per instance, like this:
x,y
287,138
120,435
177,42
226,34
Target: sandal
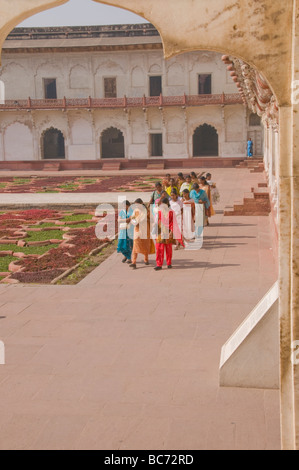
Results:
x,y
133,266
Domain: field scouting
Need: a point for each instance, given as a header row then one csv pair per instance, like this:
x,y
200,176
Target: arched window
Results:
x,y
53,145
112,143
205,142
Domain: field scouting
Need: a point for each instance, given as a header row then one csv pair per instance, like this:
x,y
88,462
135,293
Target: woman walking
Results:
x,y
126,233
200,197
188,216
143,243
207,188
176,205
166,238
157,193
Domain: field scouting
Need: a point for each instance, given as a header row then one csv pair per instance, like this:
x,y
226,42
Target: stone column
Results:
x,y
270,155
277,164
274,162
289,256
286,314
266,148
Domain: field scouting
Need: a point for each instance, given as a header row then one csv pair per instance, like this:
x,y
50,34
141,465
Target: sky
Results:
x,y
82,13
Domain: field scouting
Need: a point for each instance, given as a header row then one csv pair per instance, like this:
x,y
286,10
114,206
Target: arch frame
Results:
x,y
260,52
201,122
221,27
101,143
41,146
218,137
8,125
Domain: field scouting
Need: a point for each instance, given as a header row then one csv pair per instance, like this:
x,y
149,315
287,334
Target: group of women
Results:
x,y
163,219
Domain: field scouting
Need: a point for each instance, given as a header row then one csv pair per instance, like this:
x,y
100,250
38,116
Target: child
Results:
x,y
180,180
166,181
186,185
209,180
171,187
214,190
194,178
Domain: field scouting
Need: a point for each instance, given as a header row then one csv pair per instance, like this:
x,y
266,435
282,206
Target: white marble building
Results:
x,y
91,93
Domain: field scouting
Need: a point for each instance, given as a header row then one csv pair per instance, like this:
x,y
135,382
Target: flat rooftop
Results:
x,y
82,37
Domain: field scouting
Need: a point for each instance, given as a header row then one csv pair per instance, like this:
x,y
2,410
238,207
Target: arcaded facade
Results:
x,y
107,92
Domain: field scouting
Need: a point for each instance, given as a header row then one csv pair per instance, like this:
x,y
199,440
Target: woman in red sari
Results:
x,y
168,233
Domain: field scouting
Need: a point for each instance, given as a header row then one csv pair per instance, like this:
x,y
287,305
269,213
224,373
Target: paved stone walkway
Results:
x,y
69,199
129,360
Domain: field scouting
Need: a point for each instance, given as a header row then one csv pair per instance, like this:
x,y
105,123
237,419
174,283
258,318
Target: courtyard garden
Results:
x,y
45,246
71,184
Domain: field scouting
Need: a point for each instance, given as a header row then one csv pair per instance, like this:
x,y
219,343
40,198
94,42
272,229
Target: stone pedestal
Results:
x,y
250,358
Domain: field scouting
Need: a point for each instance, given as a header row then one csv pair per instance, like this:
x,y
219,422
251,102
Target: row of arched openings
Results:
x,y
205,143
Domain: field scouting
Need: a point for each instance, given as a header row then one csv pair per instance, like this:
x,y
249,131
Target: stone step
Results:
x,y
246,213
52,166
111,166
238,206
255,203
155,166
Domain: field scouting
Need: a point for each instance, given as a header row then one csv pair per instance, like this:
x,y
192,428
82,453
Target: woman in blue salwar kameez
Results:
x,y
126,233
249,148
200,198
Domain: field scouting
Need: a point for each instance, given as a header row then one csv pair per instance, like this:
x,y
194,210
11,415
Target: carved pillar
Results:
x,y
276,137
266,148
270,154
129,140
289,256
285,242
94,134
36,138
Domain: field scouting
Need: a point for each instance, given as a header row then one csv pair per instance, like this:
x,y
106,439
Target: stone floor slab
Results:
x,y
130,359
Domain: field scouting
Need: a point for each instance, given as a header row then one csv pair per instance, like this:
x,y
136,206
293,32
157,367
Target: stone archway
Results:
x,y
112,143
231,38
205,141
53,145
